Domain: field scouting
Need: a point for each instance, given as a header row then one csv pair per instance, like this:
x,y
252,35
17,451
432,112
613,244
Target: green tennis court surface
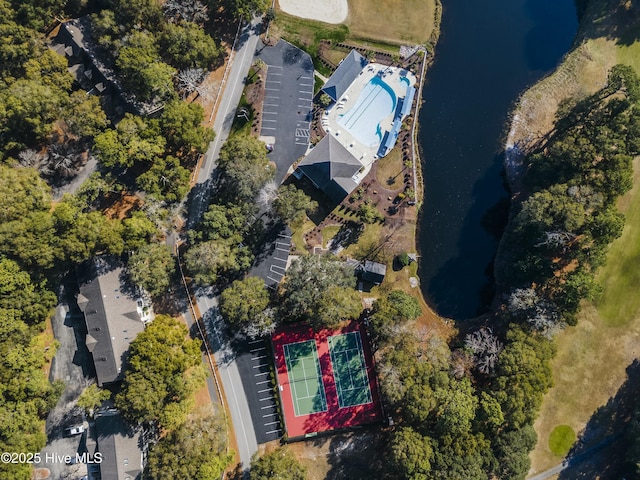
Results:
x,y
349,369
305,377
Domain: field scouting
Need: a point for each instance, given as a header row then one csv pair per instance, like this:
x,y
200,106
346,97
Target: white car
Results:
x,y
75,430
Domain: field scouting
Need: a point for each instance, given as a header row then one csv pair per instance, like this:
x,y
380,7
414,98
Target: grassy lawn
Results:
x,y
620,277
561,439
328,233
298,232
390,167
593,356
392,21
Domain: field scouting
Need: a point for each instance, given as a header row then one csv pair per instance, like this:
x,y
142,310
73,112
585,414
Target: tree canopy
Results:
x,y
279,464
163,370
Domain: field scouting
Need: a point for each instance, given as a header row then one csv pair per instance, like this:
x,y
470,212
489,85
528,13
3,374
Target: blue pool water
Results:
x,y
376,101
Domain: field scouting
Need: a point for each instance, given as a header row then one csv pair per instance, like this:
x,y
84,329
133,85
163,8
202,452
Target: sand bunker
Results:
x,y
329,11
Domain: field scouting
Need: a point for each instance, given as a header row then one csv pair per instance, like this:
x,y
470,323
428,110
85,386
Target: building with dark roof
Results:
x,y
122,449
331,168
345,74
114,313
373,272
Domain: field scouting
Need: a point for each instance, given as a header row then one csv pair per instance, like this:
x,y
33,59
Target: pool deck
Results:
x,y
392,76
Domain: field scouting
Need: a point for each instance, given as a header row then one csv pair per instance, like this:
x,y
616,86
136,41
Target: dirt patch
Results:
x,y
123,207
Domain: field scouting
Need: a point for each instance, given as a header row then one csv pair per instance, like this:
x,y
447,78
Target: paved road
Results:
x,y
229,375
241,62
575,460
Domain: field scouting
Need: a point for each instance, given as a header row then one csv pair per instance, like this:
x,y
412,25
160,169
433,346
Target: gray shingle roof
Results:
x,y
345,74
374,272
121,448
330,166
110,312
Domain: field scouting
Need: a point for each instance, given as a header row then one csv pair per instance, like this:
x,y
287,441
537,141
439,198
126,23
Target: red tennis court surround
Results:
x,y
332,417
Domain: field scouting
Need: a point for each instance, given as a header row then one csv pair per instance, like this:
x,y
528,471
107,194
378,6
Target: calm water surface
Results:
x,y
489,52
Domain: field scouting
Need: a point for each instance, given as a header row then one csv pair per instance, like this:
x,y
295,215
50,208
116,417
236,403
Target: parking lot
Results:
x,y
255,368
286,114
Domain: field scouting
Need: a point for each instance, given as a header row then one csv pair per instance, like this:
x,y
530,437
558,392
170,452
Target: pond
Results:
x,y
488,53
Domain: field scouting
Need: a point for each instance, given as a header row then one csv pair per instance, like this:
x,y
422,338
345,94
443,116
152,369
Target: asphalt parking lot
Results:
x,y
271,261
286,113
254,366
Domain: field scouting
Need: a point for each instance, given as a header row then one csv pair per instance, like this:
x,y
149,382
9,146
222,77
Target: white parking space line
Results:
x,y
275,66
269,113
269,415
281,259
272,89
264,399
306,78
273,431
271,104
267,120
268,406
268,128
278,267
282,249
283,235
259,366
273,279
265,390
257,350
261,373
258,358
271,423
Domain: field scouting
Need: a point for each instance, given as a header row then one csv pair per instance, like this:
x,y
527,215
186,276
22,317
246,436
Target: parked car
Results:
x,y
75,430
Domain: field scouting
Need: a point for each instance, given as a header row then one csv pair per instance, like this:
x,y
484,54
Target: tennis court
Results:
x,y
349,369
305,377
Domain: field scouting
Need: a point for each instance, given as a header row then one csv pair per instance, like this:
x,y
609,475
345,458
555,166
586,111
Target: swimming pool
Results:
x,y
376,102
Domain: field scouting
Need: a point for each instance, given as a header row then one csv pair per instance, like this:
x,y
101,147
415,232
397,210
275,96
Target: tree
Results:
x,y
512,452
485,347
291,204
247,9
186,45
92,397
390,311
151,267
411,454
335,305
181,125
84,115
190,79
197,448
190,11
243,302
163,371
133,140
306,281
166,180
209,260
244,168
226,222
456,407
325,100
280,464
369,213
137,231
